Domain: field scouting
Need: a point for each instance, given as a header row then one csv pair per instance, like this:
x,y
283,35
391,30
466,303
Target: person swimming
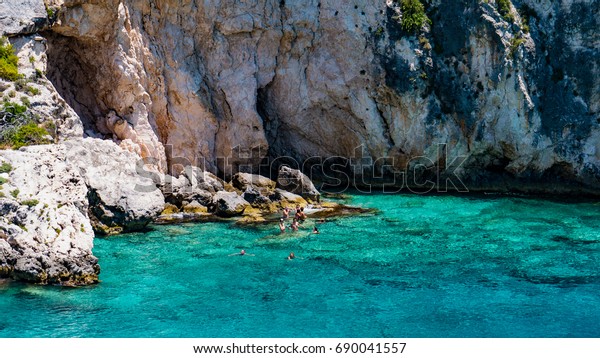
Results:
x,y
241,253
291,256
282,226
295,224
315,230
286,213
302,214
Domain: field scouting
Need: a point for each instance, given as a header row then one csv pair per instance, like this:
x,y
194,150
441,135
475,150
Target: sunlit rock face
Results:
x,y
222,84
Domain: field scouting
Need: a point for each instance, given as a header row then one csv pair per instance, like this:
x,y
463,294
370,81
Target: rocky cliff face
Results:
x,y
54,197
184,81
493,95
45,234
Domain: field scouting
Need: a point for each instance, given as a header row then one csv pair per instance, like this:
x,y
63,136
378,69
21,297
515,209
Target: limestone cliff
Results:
x,y
54,197
495,94
517,94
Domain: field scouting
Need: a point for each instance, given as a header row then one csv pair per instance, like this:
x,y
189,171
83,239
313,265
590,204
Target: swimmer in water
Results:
x,y
315,230
282,226
241,253
286,213
291,256
302,215
294,225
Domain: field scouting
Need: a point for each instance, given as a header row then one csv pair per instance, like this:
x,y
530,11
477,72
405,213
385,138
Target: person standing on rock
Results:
x,y
286,213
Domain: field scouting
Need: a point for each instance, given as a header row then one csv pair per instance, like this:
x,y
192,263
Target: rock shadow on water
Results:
x,y
396,284
572,241
566,281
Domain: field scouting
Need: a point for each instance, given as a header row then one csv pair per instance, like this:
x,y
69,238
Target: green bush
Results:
x,y
504,10
5,167
2,181
515,42
14,108
527,14
30,203
21,84
28,134
413,15
33,90
15,193
25,101
38,74
8,61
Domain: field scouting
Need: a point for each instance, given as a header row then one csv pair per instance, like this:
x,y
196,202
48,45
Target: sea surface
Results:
x,y
421,266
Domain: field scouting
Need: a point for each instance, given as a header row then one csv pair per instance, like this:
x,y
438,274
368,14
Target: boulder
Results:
x,y
202,180
229,204
195,208
22,16
45,234
286,198
242,181
296,182
193,184
254,197
122,195
169,209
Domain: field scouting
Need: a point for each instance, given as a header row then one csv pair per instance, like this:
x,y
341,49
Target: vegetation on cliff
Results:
x,y
504,10
413,15
8,61
19,128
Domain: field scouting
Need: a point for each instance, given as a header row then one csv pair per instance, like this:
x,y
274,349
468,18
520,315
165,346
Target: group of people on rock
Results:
x,y
299,218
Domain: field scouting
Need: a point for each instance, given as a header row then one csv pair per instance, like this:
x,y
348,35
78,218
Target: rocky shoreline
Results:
x,y
55,198
500,98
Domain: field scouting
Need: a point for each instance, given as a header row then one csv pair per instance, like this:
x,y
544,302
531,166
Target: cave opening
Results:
x,y
73,77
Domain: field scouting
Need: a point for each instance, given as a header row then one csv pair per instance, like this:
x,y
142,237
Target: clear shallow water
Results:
x,y
438,266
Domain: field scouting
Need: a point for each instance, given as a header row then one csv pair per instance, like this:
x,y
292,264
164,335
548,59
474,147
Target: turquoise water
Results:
x,y
435,266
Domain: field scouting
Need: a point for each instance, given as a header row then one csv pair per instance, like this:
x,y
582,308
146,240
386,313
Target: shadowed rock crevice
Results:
x,y
73,78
